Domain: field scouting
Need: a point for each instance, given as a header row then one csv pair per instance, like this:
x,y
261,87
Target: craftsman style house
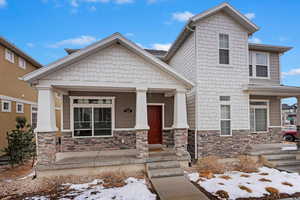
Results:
x,y
212,91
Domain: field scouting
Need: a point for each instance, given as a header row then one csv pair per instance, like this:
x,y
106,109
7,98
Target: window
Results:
x,y
92,116
22,63
258,64
6,106
19,108
259,116
223,49
250,64
225,118
9,55
34,110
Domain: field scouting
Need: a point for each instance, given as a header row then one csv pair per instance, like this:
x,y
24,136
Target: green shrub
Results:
x,y
21,143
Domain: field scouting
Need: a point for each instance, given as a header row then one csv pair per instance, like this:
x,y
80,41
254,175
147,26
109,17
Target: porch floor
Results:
x,y
91,159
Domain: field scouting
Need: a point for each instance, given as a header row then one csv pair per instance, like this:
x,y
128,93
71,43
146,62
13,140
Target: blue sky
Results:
x,y
43,28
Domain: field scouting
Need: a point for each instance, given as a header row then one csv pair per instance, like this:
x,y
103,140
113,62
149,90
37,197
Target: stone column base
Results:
x,y
46,148
142,143
180,140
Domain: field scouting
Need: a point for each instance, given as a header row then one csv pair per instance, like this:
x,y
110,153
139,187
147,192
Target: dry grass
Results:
x,y
287,183
222,194
245,188
221,183
265,180
245,175
264,174
246,164
210,164
225,177
273,191
206,174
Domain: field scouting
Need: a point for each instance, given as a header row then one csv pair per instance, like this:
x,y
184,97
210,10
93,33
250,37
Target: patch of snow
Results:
x,y
28,175
135,189
289,148
231,186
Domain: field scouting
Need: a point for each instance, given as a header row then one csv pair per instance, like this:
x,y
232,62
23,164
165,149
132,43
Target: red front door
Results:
x,y
155,124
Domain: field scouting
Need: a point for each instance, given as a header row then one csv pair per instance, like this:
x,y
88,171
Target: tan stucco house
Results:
x,y
211,93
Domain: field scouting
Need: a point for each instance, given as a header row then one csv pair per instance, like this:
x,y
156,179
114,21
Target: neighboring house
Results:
x,y
17,98
212,89
289,114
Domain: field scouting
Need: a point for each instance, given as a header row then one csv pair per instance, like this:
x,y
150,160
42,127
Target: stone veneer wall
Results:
x,y
191,143
142,146
119,140
46,148
180,141
211,143
168,138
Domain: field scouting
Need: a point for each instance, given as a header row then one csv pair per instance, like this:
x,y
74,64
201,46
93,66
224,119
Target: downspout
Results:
x,y
196,107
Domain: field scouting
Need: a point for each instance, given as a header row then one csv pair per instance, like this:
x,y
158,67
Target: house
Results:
x,y
212,93
17,98
288,115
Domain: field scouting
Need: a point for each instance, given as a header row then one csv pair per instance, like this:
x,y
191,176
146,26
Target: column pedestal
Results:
x,y
181,141
46,148
142,143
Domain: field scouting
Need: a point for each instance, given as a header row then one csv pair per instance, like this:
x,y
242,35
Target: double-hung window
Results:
x,y
9,55
19,108
92,116
22,63
259,116
34,113
6,106
225,118
223,49
258,64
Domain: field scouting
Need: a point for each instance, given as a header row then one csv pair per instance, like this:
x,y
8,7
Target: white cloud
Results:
x,y
129,34
107,1
29,44
164,47
250,15
92,8
255,40
151,1
123,1
74,3
182,16
292,72
79,41
3,3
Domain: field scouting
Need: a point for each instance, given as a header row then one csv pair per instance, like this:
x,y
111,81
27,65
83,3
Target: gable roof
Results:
x,y
18,51
189,27
114,38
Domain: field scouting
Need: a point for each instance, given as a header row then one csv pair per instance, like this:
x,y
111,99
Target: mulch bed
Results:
x,y
269,197
16,172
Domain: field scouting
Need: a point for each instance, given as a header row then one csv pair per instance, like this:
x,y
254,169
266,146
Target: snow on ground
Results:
x,y
135,189
232,185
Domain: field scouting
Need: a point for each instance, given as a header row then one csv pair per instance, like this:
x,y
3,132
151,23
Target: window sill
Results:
x,y
80,137
224,65
264,78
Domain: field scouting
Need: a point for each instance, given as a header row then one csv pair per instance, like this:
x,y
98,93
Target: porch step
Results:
x,y
162,156
286,163
271,152
167,172
283,156
292,169
163,165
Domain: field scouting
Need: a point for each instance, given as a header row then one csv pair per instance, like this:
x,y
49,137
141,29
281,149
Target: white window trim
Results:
x,y
32,111
229,46
112,106
260,106
12,60
220,119
2,106
21,60
19,104
254,65
162,113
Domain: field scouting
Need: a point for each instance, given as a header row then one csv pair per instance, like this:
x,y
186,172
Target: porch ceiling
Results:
x,y
273,90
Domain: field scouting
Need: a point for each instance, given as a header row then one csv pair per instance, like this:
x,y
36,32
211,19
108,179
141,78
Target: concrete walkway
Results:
x,y
177,188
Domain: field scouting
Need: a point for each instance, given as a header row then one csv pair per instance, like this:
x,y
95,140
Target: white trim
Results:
x,y
124,129
162,112
225,103
260,106
254,64
3,97
8,58
31,111
22,63
112,106
2,106
22,106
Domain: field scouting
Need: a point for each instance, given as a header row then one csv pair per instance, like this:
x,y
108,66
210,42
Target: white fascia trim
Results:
x,y
103,43
8,98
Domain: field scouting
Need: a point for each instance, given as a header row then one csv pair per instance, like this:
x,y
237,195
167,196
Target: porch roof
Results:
x,y
273,90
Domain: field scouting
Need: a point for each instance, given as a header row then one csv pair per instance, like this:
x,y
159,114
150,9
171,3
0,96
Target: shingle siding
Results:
x,y
216,80
274,72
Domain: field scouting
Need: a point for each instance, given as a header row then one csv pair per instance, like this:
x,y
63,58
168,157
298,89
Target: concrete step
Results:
x,y
292,169
169,172
163,165
286,163
272,157
271,152
157,158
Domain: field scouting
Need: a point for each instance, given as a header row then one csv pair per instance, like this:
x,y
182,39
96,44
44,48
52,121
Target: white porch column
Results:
x,y
298,113
141,117
46,121
180,111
